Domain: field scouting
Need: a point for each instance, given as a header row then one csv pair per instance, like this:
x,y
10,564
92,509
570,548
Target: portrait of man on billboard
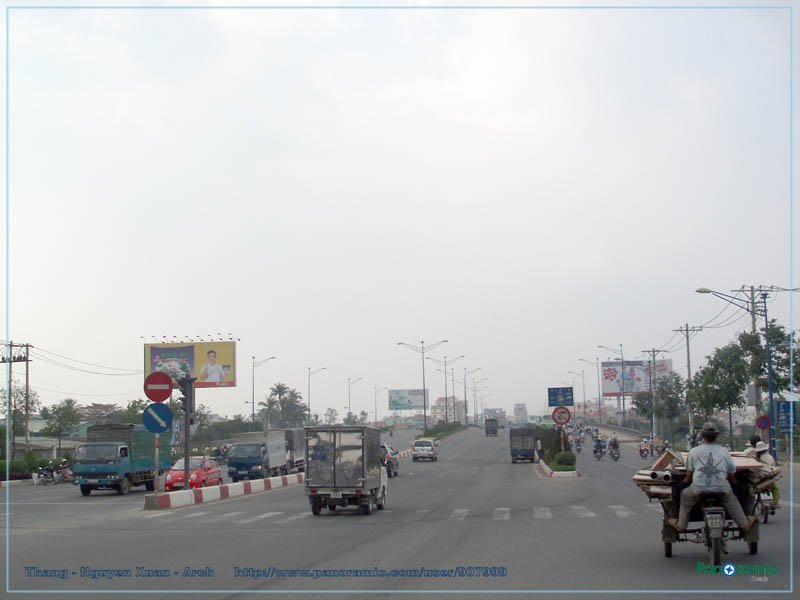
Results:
x,y
212,371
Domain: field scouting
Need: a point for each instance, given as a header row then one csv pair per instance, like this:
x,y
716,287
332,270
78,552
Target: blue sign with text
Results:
x,y
559,396
787,413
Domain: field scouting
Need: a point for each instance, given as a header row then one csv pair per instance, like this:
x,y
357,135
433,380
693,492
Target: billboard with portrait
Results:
x,y
406,399
212,363
634,375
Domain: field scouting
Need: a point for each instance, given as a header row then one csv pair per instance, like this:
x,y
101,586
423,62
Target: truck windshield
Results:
x,y
96,452
245,450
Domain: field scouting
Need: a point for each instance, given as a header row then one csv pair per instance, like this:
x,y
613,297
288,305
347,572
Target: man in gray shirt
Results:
x,y
715,473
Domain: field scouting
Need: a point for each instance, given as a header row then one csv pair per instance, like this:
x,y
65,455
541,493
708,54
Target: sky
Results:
x,y
323,184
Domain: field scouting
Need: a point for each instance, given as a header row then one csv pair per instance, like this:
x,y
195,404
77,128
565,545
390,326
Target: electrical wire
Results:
x,y
84,362
36,387
79,370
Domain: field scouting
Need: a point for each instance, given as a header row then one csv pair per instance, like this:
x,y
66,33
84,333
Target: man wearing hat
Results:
x,y
763,456
715,473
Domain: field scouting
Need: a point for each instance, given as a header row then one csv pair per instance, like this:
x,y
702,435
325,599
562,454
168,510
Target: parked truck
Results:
x,y
295,449
119,456
523,444
343,468
490,426
257,455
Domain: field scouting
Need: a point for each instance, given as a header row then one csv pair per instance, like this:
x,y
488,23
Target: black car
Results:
x,y
390,460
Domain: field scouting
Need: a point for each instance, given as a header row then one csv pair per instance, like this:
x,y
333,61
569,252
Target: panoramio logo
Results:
x,y
730,569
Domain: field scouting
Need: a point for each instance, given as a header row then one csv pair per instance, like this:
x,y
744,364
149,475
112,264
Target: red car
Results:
x,y
203,471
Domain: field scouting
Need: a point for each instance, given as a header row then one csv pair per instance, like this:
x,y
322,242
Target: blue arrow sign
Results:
x,y
157,417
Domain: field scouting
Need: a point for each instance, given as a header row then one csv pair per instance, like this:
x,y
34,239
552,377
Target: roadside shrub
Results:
x,y
566,459
18,468
557,467
31,461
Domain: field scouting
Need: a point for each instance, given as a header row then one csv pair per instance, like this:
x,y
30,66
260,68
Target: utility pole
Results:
x,y
11,358
653,353
686,330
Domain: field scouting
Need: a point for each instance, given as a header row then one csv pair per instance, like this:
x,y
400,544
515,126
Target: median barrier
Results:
x,y
557,474
166,500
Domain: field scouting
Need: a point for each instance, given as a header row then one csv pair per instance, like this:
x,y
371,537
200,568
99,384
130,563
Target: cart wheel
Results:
x,y
764,513
381,504
716,551
668,549
316,507
753,547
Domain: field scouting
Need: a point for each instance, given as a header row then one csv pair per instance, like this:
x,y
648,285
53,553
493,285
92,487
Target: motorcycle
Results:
x,y
598,453
644,452
46,475
63,474
577,446
614,453
764,507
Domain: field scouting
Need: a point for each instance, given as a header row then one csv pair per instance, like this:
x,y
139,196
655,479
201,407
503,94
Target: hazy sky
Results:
x,y
527,184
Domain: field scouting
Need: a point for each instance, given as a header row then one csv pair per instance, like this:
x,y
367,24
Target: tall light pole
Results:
x,y
465,394
599,388
751,308
349,385
583,381
253,400
621,376
310,373
421,350
652,378
444,363
376,403
475,394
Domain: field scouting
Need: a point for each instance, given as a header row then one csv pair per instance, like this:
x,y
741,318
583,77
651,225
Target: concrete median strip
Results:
x,y
204,495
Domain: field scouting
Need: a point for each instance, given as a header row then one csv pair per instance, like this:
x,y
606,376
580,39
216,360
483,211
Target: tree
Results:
x,y
62,417
314,419
641,404
22,406
754,345
134,410
669,398
362,417
331,416
101,413
283,407
722,382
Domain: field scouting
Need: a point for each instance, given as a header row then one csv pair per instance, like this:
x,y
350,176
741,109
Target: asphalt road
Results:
x,y
472,508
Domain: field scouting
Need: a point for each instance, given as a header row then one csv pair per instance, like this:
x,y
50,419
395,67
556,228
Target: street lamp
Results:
x,y
444,363
751,308
349,385
310,373
599,389
253,400
621,376
465,394
376,403
583,381
421,350
475,395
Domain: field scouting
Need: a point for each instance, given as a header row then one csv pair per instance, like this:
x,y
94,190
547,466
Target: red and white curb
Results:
x,y
221,492
550,473
404,454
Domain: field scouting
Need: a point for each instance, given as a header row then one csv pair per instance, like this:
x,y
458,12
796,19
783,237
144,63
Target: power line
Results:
x,y
79,370
40,349
36,387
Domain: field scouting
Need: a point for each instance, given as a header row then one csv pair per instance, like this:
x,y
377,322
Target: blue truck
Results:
x,y
523,444
119,456
257,455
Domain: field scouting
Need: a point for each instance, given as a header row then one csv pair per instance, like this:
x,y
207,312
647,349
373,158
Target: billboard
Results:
x,y
407,399
213,363
560,396
633,374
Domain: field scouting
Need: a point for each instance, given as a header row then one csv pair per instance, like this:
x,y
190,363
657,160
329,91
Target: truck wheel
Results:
x,y
235,479
382,502
150,485
124,486
367,508
85,490
668,549
316,506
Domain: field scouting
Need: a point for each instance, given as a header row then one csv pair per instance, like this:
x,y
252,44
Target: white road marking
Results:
x,y
501,514
264,516
292,518
582,512
193,515
227,515
621,511
459,514
162,513
542,512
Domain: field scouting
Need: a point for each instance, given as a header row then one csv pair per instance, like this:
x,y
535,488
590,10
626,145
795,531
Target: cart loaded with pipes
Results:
x,y
662,482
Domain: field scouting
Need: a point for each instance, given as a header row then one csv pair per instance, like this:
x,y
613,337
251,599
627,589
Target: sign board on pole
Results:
x,y
158,386
560,396
157,418
561,415
407,399
787,415
212,363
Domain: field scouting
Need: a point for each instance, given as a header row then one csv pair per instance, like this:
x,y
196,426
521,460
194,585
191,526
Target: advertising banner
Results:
x,y
407,399
633,374
212,363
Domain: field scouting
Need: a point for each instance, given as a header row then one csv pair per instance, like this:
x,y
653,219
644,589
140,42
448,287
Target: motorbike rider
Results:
x,y
716,472
665,447
763,456
598,446
613,443
644,446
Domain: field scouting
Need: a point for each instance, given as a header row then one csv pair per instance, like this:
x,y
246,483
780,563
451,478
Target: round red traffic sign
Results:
x,y
561,415
158,386
762,422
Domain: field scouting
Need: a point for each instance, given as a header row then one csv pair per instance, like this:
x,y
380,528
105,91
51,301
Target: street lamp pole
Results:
x,y
376,403
599,389
444,363
253,400
583,382
466,419
421,350
350,412
310,373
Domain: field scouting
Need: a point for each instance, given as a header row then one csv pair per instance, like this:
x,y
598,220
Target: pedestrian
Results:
x,y
539,449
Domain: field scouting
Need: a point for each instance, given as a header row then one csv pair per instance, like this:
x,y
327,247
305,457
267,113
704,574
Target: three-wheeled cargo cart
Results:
x,y
343,468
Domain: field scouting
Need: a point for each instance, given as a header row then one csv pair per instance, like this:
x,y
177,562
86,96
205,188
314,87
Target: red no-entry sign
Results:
x,y
158,386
